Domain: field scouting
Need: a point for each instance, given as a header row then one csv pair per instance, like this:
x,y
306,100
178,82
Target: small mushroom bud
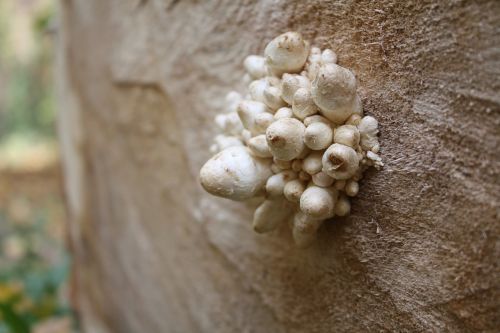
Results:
x,y
229,123
312,164
293,190
283,113
246,135
224,141
351,188
287,53
340,161
270,214
304,153
258,146
235,174
328,56
302,104
358,106
375,159
347,135
262,122
297,165
275,185
290,83
334,92
255,66
315,52
321,179
283,165
342,206
318,202
339,184
272,98
368,129
316,118
355,119
285,138
304,229
318,136
304,176
257,88
247,111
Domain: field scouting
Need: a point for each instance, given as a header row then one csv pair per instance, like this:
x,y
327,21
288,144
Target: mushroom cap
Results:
x,y
285,138
318,136
317,202
287,53
334,92
347,135
340,161
235,174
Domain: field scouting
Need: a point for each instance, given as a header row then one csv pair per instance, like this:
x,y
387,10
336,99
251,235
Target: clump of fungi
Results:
x,y
298,139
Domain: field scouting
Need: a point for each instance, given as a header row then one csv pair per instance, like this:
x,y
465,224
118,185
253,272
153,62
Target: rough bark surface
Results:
x,y
141,83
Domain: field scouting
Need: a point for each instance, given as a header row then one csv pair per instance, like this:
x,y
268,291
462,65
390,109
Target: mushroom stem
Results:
x,y
270,214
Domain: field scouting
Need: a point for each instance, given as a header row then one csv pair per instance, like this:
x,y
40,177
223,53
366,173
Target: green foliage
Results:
x,y
28,103
29,282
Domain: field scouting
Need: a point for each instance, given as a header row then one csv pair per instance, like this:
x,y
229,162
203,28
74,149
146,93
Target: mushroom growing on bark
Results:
x,y
298,140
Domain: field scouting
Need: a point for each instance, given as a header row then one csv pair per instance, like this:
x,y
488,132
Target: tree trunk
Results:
x,y
141,81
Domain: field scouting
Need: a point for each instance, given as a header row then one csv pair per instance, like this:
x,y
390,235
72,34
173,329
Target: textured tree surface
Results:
x,y
140,84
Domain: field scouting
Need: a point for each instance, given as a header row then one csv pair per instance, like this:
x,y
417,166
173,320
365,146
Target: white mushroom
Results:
x,y
339,184
283,113
257,88
222,142
334,92
355,119
312,164
298,138
328,56
285,138
342,206
255,66
302,104
351,188
283,165
304,229
272,98
233,98
229,123
262,122
340,161
368,129
321,179
304,176
287,53
247,111
316,118
235,174
318,202
293,190
347,135
275,185
258,146
290,83
318,136
270,214
297,165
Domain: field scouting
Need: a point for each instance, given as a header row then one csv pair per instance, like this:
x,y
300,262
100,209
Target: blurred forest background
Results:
x,y
34,264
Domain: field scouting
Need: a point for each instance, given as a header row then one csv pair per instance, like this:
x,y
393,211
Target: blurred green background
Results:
x,y
34,264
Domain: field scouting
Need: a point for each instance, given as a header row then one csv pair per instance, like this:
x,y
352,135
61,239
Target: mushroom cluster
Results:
x,y
298,139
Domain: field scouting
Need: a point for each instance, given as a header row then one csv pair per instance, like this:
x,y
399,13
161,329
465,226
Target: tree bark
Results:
x,y
140,83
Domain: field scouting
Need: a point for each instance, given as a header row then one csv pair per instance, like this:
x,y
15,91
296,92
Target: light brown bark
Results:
x,y
140,84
